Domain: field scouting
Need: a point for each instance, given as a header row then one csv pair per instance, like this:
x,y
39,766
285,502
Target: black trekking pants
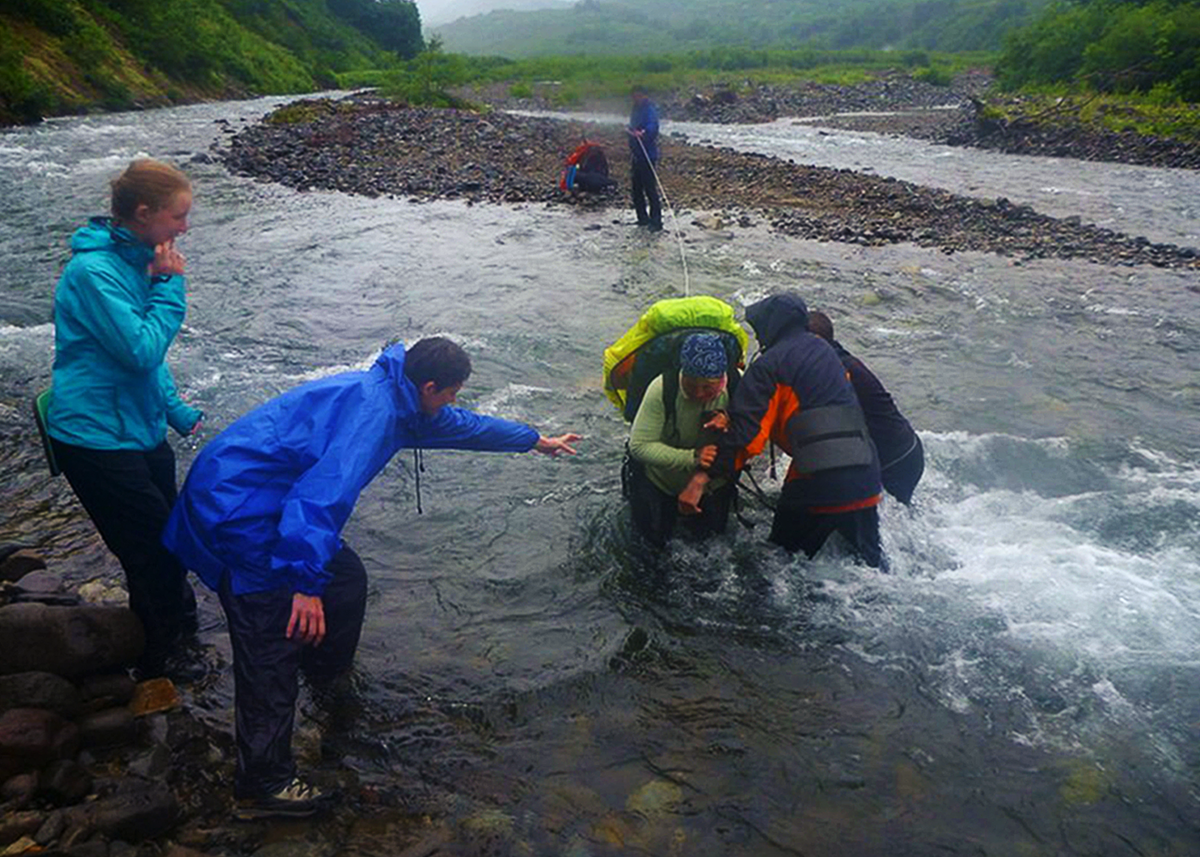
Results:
x,y
128,495
267,666
644,187
796,528
655,512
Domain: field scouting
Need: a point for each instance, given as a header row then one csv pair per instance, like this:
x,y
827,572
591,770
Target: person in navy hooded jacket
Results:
x,y
259,520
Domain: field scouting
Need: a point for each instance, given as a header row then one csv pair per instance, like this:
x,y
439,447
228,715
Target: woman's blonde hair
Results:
x,y
146,182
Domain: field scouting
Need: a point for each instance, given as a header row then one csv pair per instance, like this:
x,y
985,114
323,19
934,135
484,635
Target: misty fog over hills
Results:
x,y
438,12
655,26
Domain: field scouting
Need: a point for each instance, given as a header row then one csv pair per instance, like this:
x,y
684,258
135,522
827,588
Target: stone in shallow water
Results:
x,y
19,563
41,582
654,798
154,695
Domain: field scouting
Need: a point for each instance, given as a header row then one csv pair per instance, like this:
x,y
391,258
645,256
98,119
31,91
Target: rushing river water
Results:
x,y
1026,681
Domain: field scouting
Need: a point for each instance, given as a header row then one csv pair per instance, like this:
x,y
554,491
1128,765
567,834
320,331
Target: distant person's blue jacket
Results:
x,y
112,328
644,118
268,497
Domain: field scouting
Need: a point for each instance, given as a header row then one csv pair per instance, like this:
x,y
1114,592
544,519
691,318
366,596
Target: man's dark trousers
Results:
x,y
128,494
796,528
644,186
267,666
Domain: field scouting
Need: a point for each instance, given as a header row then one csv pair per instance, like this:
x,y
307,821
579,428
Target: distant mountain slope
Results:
x,y
437,12
664,26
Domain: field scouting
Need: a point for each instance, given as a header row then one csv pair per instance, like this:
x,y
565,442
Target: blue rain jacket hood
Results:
x,y
112,328
267,498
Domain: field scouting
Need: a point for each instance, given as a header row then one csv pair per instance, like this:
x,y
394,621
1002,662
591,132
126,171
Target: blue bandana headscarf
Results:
x,y
703,356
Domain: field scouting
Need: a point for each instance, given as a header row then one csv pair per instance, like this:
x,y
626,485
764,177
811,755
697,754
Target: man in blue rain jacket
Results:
x,y
259,520
643,153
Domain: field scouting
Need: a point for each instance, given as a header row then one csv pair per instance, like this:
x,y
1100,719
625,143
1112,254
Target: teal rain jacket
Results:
x,y
112,328
267,498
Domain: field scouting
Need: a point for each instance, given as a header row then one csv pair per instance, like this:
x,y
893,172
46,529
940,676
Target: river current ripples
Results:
x,y
1026,681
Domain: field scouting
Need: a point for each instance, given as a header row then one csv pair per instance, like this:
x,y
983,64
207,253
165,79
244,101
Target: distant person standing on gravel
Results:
x,y
643,148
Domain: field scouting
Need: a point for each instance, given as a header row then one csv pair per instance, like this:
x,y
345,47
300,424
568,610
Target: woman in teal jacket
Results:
x,y
118,305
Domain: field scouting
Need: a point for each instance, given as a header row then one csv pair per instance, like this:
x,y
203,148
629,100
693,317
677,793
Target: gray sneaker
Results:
x,y
297,799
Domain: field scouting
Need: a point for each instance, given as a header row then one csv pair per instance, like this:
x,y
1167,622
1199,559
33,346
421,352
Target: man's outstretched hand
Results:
x,y
556,445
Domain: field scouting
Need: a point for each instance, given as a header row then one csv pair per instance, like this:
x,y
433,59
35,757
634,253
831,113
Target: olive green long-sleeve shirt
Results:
x,y
669,451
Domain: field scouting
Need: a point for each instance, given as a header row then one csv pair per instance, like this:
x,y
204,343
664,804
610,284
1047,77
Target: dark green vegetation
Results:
x,y
1110,47
60,56
1119,66
672,26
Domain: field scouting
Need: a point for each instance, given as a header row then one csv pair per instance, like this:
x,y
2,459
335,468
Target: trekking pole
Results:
x,y
687,285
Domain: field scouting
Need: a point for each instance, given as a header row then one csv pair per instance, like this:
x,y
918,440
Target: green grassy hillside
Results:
x,y
63,56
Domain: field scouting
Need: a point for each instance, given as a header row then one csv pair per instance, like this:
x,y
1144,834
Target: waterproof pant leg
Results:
x,y
345,605
796,528
128,495
901,477
654,512
266,668
644,188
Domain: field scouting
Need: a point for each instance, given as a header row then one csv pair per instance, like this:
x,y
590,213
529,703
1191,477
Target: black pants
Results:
x,y
656,512
796,528
267,666
129,495
644,187
900,478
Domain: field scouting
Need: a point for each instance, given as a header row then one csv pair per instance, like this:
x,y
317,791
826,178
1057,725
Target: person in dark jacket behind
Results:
x,y
901,455
796,395
643,151
259,520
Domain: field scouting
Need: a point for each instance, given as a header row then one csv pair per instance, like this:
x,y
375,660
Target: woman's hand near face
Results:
x,y
168,261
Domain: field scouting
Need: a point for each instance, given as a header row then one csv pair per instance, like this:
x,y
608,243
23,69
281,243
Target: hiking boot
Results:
x,y
184,663
297,799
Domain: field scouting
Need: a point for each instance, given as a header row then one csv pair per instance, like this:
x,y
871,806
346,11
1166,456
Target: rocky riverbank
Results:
x,y
94,764
373,147
965,112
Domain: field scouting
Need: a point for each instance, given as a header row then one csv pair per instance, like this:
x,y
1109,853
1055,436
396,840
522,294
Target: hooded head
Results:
x,y
772,317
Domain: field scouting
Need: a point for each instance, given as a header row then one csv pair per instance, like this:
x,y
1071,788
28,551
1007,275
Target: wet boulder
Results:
x,y
70,641
106,690
31,737
16,562
112,727
139,812
39,690
64,782
14,825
